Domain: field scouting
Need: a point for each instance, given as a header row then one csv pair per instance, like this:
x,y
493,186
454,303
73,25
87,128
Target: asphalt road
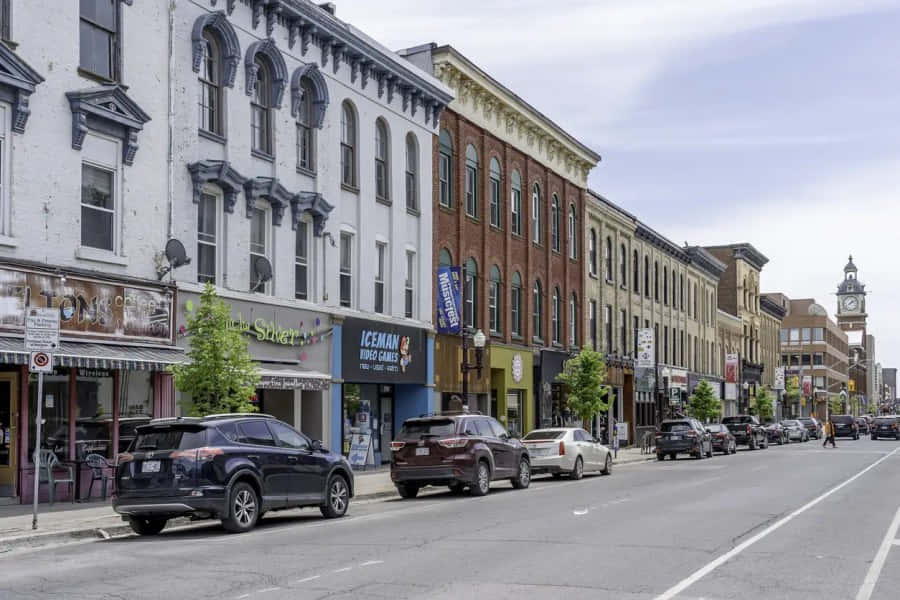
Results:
x,y
790,522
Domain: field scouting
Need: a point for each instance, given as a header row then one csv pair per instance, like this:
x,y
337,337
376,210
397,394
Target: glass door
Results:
x,y
8,445
385,432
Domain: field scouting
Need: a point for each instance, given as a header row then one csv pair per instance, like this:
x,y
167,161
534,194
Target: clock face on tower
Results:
x,y
851,303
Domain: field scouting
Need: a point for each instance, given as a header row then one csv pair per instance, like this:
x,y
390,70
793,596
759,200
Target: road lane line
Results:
x,y
344,570
369,563
266,590
306,579
699,574
868,585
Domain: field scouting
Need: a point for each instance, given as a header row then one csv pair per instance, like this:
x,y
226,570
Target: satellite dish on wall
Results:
x,y
176,256
263,269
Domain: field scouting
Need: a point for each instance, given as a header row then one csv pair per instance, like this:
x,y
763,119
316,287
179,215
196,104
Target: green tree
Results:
x,y
584,377
764,404
835,405
703,404
220,376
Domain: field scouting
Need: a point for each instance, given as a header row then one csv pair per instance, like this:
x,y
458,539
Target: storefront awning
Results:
x,y
289,377
97,356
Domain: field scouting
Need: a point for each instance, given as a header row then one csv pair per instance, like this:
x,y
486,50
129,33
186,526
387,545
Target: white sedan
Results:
x,y
566,450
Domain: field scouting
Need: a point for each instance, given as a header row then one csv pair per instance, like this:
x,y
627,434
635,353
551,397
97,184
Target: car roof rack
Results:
x,y
238,415
174,420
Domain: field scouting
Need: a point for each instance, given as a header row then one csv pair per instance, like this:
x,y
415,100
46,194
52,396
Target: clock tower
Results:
x,y
851,302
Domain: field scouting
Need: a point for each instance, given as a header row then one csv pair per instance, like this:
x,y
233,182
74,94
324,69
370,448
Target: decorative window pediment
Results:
x,y
314,204
231,48
320,93
268,49
270,189
17,82
107,109
220,173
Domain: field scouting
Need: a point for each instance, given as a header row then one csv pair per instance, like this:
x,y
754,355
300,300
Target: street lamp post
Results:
x,y
478,341
746,398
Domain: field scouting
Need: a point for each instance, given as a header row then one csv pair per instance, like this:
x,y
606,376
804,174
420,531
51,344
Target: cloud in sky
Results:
x,y
767,121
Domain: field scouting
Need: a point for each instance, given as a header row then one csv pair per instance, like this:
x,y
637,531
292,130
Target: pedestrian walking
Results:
x,y
829,434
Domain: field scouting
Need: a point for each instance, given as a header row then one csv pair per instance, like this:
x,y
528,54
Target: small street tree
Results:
x,y
791,392
835,405
584,377
703,403
220,376
764,404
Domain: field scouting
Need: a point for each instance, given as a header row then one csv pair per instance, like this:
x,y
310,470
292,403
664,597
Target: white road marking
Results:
x,y
369,563
579,513
305,579
266,590
243,596
699,574
868,585
344,570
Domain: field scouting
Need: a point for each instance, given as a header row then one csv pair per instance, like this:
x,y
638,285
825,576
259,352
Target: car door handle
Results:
x,y
292,459
253,456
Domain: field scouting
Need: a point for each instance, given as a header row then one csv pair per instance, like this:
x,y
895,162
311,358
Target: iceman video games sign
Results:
x,y
378,352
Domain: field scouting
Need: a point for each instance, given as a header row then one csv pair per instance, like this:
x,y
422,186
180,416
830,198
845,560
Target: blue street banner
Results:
x,y
449,301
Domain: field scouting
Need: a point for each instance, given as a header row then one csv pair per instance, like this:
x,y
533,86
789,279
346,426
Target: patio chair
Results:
x,y
99,472
49,463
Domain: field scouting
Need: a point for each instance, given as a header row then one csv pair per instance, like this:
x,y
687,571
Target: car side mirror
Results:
x,y
316,445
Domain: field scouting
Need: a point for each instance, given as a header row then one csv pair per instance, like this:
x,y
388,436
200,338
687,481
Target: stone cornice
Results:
x,y
487,103
746,252
772,308
706,262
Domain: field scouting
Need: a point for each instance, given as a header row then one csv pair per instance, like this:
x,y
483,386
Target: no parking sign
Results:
x,y
41,362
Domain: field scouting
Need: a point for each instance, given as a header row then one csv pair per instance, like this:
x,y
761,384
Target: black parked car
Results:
x,y
722,438
886,427
845,426
776,433
458,450
230,467
683,436
747,431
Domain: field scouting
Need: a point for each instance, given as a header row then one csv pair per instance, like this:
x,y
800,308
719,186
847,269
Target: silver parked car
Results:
x,y
566,450
796,430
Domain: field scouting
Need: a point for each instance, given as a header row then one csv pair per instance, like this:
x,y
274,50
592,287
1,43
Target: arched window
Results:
x,y
382,161
471,181
496,193
573,236
608,259
592,251
412,172
261,108
211,72
647,276
665,285
495,298
636,272
537,311
348,145
445,169
470,309
573,320
515,305
554,222
515,203
306,141
445,258
537,227
623,265
555,310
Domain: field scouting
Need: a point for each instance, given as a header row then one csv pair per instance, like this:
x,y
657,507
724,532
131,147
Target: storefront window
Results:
x,y
54,413
368,410
514,411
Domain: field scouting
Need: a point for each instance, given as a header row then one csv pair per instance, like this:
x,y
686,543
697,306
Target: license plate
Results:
x,y
676,437
150,466
422,452
538,452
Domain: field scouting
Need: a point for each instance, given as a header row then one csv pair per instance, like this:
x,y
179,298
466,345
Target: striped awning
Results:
x,y
97,356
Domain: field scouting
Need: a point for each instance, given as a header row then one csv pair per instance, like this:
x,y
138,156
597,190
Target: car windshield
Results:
x,y
675,427
842,419
733,420
419,428
715,427
885,420
544,435
790,423
169,438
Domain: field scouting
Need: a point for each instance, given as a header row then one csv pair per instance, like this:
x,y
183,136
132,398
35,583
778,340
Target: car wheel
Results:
x,y
578,470
752,444
482,480
148,526
457,488
523,479
874,437
407,491
673,455
781,440
734,447
660,456
765,444
698,455
607,466
338,498
242,509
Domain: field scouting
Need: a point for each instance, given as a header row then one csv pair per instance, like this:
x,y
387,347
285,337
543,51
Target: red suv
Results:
x,y
459,451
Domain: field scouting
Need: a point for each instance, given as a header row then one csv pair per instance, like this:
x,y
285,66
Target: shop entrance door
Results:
x,y
8,437
385,421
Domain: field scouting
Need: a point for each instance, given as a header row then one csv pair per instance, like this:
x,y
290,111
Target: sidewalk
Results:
x,y
65,521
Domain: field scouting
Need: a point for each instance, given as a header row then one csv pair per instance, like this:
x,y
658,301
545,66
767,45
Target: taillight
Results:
x,y
748,429
691,434
124,457
658,435
562,448
198,454
395,446
453,442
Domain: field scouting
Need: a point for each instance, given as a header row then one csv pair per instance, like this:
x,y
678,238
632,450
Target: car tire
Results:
x,y
660,456
523,479
673,455
751,445
337,498
781,440
734,448
697,455
147,526
482,483
242,511
578,470
407,491
607,466
874,437
457,488
765,444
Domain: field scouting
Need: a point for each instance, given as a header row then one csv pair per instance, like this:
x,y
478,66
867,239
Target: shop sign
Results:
x,y
377,352
678,379
449,300
87,308
94,373
645,356
731,368
517,369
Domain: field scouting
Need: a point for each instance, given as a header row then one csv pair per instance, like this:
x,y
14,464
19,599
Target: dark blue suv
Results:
x,y
231,467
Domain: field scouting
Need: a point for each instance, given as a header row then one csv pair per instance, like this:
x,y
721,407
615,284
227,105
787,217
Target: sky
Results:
x,y
773,122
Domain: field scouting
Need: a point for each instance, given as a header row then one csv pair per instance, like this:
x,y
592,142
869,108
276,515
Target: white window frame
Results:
x,y
267,243
217,244
381,267
346,271
307,224
6,238
409,285
537,226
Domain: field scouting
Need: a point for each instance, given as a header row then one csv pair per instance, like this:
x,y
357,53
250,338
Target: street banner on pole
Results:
x,y
807,385
779,378
449,303
646,355
731,368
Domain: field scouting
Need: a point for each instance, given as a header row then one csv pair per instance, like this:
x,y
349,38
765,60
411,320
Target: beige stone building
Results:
x,y
729,340
771,316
